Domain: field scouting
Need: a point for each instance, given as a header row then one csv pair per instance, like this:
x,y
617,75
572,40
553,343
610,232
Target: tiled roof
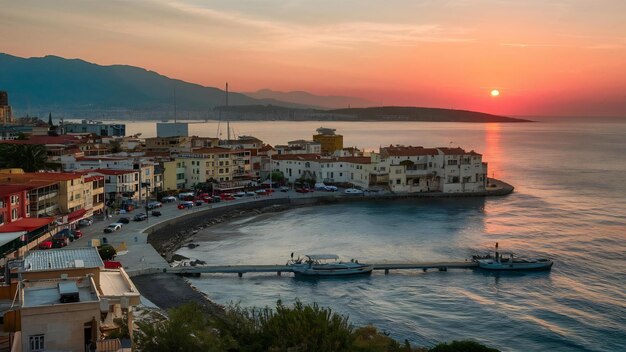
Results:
x,y
113,172
298,157
452,151
11,189
55,259
408,151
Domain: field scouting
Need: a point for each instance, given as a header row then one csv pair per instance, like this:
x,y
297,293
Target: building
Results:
x,y
66,300
172,129
120,185
300,146
96,127
243,142
6,115
203,165
171,144
329,141
419,169
315,168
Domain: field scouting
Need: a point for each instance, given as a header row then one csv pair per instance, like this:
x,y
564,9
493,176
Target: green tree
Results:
x,y
107,252
187,329
29,157
115,146
277,176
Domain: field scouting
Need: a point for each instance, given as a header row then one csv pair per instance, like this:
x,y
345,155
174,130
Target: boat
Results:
x,y
327,265
510,262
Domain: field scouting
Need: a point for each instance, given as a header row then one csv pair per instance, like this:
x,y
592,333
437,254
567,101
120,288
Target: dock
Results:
x,y
279,269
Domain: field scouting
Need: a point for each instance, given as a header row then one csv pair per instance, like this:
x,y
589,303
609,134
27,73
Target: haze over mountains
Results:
x,y
74,88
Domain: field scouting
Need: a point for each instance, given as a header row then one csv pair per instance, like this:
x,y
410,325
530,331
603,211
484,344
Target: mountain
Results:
x,y
383,113
305,98
73,86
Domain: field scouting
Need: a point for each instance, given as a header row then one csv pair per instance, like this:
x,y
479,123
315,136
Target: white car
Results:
x,y
353,191
116,226
169,199
330,188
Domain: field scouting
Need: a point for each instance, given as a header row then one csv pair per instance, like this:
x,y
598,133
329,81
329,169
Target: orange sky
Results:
x,y
561,57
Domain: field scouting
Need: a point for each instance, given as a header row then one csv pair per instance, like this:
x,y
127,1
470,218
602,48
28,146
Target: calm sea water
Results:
x,y
569,205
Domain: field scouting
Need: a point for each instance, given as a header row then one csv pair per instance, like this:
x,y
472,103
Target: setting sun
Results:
x,y
495,93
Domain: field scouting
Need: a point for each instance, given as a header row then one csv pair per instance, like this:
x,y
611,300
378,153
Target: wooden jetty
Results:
x,y
279,269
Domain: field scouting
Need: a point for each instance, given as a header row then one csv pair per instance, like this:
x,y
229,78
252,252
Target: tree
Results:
x,y
277,176
115,146
462,346
187,329
29,157
107,252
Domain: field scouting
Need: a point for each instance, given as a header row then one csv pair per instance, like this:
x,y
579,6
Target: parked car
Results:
x,y
302,190
239,194
330,188
353,191
124,220
185,195
59,242
261,192
113,227
216,199
156,213
284,189
140,217
153,205
169,199
78,234
198,203
45,245
85,222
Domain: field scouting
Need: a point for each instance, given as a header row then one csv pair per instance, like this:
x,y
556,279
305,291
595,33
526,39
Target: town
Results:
x,y
58,178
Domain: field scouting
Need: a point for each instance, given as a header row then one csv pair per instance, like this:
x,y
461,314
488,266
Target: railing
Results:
x,y
105,345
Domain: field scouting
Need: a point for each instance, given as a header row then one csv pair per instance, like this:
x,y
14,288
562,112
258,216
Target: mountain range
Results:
x,y
74,88
306,98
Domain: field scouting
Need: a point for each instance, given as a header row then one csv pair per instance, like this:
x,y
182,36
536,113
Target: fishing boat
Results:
x,y
327,265
510,262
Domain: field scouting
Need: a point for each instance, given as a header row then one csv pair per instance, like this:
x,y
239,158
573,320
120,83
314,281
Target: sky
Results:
x,y
557,57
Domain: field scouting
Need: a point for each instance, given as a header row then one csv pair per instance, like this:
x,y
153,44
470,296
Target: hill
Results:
x,y
306,98
384,113
72,86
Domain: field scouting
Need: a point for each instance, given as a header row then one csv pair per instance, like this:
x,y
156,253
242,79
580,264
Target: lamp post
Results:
x,y
270,154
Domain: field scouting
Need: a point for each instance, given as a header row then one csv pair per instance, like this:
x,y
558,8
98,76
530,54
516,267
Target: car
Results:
x,y
198,203
59,242
169,199
330,188
113,227
152,205
302,190
216,199
140,217
239,194
124,220
250,194
78,234
284,189
85,222
185,195
353,191
261,192
46,245
156,213
185,205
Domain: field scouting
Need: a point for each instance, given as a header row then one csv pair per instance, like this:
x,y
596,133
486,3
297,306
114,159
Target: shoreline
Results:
x,y
168,291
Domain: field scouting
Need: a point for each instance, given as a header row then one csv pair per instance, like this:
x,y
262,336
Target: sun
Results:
x,y
495,93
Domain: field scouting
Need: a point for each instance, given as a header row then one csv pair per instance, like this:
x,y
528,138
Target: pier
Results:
x,y
279,269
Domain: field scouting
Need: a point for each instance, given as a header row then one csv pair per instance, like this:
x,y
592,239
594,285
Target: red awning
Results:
x,y
26,224
76,214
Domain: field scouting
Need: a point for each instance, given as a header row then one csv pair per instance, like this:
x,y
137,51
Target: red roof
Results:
x,y
57,176
299,157
11,189
113,172
26,224
356,159
452,151
65,139
408,151
91,178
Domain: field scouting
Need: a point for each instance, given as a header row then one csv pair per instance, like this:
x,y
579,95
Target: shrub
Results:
x,y
107,252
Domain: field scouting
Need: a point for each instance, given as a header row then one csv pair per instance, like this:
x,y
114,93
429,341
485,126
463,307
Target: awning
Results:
x,y
26,224
76,215
10,236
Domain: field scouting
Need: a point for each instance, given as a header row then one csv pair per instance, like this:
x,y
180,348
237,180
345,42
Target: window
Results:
x,y
452,162
398,181
13,214
36,343
15,200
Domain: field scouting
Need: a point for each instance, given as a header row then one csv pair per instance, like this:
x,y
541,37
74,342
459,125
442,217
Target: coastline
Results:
x,y
166,237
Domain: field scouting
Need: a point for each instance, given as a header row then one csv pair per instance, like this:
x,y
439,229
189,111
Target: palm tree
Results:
x,y
29,157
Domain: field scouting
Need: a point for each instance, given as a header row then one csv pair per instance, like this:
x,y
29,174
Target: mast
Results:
x,y
227,121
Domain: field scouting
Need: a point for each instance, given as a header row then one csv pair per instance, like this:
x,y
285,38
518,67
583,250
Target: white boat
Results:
x,y
327,265
510,262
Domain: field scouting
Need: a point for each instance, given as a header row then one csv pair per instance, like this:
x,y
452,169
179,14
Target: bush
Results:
x,y
462,346
107,252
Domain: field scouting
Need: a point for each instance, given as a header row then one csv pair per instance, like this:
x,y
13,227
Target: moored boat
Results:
x,y
327,265
510,262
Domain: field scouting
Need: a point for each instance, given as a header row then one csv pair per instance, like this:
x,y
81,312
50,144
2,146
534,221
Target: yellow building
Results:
x,y
329,141
201,165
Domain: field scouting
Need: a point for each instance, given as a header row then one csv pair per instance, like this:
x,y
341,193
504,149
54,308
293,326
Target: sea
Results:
x,y
569,205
